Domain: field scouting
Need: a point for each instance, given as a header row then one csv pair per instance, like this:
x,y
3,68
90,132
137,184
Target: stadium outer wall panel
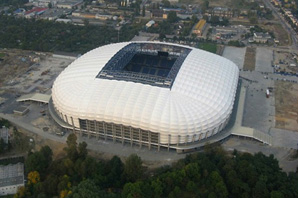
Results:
x,y
132,136
121,133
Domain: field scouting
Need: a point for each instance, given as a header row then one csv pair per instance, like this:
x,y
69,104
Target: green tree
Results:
x,y
88,167
5,123
64,183
71,148
86,22
260,190
36,162
166,3
143,11
71,140
50,184
205,6
47,152
21,193
2,146
114,173
82,150
172,17
253,20
132,190
276,194
133,169
88,189
157,187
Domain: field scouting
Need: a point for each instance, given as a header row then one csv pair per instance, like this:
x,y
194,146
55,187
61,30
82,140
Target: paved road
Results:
x,y
29,127
107,148
284,24
246,145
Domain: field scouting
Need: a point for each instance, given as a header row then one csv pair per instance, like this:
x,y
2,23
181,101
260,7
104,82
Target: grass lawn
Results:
x,y
210,47
2,55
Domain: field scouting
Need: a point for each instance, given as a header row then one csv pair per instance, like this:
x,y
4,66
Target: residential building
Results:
x,y
69,4
4,134
261,37
200,27
222,12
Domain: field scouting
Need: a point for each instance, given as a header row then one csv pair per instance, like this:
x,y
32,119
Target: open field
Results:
x,y
279,32
286,105
15,62
210,47
250,59
264,60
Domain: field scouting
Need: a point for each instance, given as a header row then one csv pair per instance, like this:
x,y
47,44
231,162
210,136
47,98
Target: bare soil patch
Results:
x,y
286,105
250,59
15,62
279,32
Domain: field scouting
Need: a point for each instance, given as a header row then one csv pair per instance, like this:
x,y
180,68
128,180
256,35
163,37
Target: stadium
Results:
x,y
146,93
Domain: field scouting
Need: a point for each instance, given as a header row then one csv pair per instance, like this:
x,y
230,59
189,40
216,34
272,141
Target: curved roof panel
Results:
x,y
200,99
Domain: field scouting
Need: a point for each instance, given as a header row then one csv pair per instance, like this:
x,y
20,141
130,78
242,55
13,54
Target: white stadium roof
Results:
x,y
200,99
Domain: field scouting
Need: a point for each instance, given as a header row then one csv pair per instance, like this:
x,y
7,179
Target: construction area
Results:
x,y
285,62
26,78
27,72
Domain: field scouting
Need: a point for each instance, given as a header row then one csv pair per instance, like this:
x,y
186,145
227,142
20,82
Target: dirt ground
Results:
x,y
286,105
250,59
283,60
279,32
220,49
39,142
15,62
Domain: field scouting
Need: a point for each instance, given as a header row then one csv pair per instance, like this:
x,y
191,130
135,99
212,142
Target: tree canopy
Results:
x,y
212,173
44,35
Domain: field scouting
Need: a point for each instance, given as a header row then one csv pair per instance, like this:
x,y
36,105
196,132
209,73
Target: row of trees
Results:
x,y
213,173
13,2
77,174
43,35
218,174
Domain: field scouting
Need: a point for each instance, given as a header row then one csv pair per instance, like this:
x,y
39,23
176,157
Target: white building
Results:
x,y
11,178
4,134
69,4
150,23
103,16
261,37
43,3
146,93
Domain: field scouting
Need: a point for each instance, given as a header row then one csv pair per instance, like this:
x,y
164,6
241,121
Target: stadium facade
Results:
x,y
147,93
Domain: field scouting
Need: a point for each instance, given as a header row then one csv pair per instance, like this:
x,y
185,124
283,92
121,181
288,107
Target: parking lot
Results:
x,y
264,60
259,111
235,54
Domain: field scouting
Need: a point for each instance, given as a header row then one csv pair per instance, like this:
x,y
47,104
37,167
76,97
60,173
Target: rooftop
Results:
x,y
37,10
11,174
200,24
